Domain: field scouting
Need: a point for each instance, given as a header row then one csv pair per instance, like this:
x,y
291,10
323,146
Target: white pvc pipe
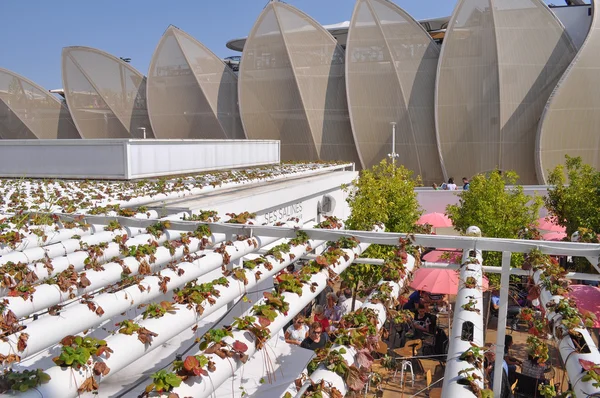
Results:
x,y
127,348
47,295
49,330
451,388
568,353
32,240
225,368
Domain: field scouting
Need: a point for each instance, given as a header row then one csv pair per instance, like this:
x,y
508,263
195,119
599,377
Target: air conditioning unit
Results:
x,y
326,206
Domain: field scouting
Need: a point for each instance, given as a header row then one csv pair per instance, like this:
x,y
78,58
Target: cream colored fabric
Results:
x,y
571,121
292,87
106,96
390,71
500,61
27,111
191,92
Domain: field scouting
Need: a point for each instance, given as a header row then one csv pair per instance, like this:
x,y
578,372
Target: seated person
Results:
x,y
437,300
512,362
413,300
317,338
319,316
532,368
424,322
512,312
489,365
297,332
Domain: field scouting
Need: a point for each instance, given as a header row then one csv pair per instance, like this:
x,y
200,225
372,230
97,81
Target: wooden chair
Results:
x,y
409,350
435,393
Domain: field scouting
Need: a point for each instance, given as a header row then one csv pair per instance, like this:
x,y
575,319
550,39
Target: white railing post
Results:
x,y
501,330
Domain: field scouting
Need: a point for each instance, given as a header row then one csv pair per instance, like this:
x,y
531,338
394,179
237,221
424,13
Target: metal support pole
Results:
x,y
501,332
393,155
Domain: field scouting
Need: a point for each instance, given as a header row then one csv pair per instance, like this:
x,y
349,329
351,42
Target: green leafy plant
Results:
x,y
23,380
77,351
163,381
537,348
474,356
242,218
159,310
158,229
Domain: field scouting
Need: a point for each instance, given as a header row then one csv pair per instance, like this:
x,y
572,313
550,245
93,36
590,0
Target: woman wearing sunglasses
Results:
x,y
297,331
317,337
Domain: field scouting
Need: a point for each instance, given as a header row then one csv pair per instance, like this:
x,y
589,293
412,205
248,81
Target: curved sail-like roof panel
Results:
x,y
27,111
292,87
571,120
191,92
390,70
499,64
106,96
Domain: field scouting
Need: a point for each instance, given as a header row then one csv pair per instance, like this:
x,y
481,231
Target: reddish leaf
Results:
x,y
190,363
90,384
589,365
67,340
264,322
22,343
100,368
239,346
364,359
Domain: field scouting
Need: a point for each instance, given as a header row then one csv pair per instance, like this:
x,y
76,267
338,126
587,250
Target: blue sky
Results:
x,y
33,32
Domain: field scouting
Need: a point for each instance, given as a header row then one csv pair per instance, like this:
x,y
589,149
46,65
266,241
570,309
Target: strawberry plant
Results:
x,y
158,229
474,356
278,251
330,223
193,365
23,380
300,239
77,351
242,218
470,282
592,372
203,215
537,349
163,381
159,310
470,306
112,226
289,283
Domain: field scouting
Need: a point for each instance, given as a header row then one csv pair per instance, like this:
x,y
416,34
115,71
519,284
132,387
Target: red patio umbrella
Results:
x,y
438,281
549,225
436,220
554,235
588,299
451,256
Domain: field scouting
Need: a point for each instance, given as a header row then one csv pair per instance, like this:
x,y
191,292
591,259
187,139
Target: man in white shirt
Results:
x,y
346,302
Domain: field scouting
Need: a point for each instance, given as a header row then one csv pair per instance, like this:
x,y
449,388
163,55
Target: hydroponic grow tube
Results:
x,y
473,297
49,330
127,348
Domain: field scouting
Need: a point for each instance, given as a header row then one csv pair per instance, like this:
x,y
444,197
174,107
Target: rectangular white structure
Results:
x,y
127,159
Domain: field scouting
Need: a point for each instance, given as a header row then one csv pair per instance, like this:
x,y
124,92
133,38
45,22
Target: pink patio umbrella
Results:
x,y
587,299
444,256
436,220
554,235
551,225
438,281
